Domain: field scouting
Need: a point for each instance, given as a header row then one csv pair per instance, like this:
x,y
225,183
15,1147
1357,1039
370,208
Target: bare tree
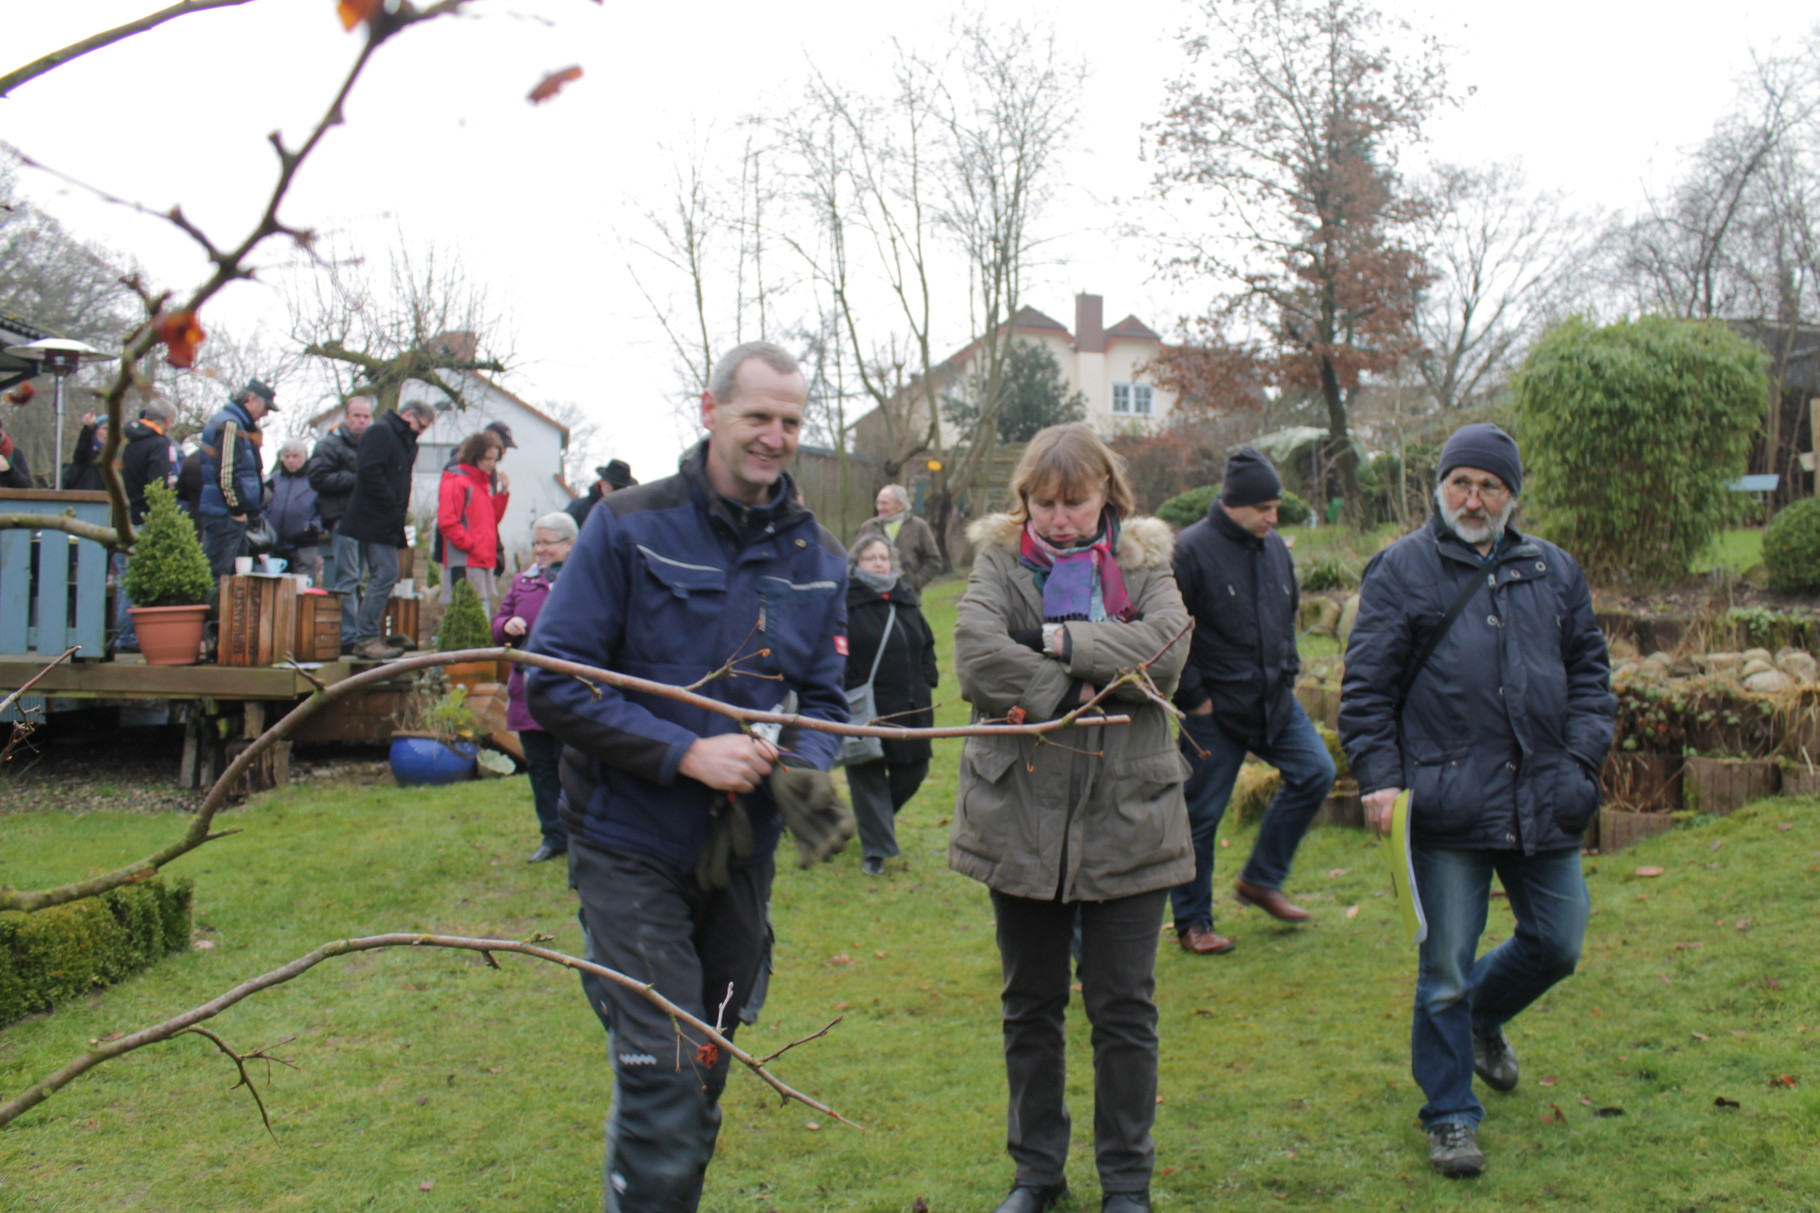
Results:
x,y
1500,256
373,333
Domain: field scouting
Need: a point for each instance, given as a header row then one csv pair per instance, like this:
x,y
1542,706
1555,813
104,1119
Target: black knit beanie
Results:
x,y
1250,480
1485,446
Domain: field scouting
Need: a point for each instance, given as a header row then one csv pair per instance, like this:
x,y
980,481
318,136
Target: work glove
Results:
x,y
1030,638
812,810
728,845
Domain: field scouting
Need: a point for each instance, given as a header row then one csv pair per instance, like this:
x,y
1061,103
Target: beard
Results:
x,y
1487,527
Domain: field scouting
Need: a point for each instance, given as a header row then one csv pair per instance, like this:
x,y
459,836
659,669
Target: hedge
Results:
x,y
50,956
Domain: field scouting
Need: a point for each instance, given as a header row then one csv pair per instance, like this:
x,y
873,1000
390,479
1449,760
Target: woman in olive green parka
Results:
x,y
1068,592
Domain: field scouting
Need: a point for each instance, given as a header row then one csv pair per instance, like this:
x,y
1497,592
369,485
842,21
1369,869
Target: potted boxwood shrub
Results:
x,y
441,741
168,583
465,626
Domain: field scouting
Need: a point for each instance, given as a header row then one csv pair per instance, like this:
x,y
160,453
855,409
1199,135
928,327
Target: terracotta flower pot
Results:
x,y
470,674
170,635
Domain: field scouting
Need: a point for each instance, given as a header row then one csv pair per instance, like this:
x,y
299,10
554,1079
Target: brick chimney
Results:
x,y
456,344
1089,324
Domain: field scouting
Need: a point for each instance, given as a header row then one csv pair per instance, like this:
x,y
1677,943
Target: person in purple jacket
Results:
x,y
551,538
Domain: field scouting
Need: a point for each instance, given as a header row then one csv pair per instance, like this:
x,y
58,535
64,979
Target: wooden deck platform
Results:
x,y
121,679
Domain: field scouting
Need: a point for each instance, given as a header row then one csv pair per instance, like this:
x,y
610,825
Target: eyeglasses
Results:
x,y
1489,491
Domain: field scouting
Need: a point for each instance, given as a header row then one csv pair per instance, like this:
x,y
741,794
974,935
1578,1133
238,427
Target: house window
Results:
x,y
1132,399
434,456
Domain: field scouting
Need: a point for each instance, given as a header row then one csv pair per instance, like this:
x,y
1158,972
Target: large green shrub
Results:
x,y
1629,435
1186,508
1192,506
50,956
465,624
1791,548
167,567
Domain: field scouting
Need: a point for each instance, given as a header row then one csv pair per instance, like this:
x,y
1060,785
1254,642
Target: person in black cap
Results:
x,y
1238,691
232,475
610,477
1477,678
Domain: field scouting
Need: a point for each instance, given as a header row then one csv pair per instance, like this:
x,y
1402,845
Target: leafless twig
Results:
x,y
187,1021
27,684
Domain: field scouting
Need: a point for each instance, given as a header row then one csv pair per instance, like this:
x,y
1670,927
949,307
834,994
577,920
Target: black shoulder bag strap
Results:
x,y
1434,637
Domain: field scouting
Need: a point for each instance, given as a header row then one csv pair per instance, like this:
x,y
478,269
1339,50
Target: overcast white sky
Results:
x,y
1597,99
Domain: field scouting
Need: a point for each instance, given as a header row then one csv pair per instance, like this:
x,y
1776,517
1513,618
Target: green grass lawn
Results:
x,y
1285,1081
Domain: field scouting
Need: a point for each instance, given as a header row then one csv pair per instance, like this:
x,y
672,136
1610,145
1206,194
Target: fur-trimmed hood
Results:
x,y
1144,542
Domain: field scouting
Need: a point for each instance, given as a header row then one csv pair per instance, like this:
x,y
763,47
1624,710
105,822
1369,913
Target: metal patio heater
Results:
x,y
58,357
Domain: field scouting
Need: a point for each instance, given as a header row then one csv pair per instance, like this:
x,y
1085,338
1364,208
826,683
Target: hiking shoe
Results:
x,y
1453,1149
873,866
376,650
1493,1061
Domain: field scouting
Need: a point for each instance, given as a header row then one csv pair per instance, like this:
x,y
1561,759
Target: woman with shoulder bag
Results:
x,y
891,654
1068,592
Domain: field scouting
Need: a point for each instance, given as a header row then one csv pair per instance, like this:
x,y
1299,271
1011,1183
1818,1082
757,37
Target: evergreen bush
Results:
x,y
1185,508
1791,548
465,624
1294,511
1192,506
50,956
1630,433
167,567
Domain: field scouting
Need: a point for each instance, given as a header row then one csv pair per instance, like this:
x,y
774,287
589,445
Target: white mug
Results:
x,y
243,565
405,586
273,565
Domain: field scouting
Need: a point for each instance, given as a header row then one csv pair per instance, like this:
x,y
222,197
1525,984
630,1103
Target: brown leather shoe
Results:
x,y
1271,901
1203,942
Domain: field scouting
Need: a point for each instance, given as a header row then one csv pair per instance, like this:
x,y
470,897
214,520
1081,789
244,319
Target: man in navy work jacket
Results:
x,y
233,478
1498,735
673,810
1238,691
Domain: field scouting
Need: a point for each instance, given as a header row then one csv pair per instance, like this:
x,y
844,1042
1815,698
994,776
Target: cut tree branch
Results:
x,y
187,1021
95,42
25,686
199,831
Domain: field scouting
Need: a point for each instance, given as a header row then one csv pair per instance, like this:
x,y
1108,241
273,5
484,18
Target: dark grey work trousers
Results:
x,y
879,789
649,921
1118,985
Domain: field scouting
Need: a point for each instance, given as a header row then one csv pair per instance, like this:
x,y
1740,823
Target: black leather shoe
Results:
x,y
1125,1202
545,853
1033,1198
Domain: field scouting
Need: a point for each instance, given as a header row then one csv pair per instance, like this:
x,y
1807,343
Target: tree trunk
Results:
x,y
1341,453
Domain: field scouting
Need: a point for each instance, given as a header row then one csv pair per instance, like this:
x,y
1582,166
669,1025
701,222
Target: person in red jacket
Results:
x,y
467,514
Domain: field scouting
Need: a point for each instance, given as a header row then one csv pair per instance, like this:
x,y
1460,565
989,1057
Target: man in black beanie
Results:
x,y
1477,678
1238,690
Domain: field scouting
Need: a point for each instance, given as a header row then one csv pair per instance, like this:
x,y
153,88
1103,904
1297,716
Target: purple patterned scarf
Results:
x,y
1066,575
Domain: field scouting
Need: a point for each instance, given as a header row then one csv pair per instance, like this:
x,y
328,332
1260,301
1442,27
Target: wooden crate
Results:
x,y
401,616
1721,785
258,620
318,626
1619,828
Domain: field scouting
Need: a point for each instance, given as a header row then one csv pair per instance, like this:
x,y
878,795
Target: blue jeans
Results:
x,y
1455,994
1299,753
363,614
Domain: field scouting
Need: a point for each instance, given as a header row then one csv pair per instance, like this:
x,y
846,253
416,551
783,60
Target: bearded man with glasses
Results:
x,y
1477,678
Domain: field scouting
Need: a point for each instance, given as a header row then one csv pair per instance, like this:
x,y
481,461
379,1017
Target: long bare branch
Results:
x,y
199,830
25,686
94,42
187,1021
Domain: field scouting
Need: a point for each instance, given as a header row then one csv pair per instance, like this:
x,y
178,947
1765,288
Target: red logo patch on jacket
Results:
x,y
840,644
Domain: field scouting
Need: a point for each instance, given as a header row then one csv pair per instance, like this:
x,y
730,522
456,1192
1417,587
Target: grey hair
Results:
x,y
559,522
865,542
779,359
294,444
898,491
353,400
161,411
419,408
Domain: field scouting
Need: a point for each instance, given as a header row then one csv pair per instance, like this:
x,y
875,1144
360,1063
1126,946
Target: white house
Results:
x,y
534,466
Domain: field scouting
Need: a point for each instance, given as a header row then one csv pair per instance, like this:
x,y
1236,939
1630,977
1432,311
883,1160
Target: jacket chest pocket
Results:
x,y
677,610
790,624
